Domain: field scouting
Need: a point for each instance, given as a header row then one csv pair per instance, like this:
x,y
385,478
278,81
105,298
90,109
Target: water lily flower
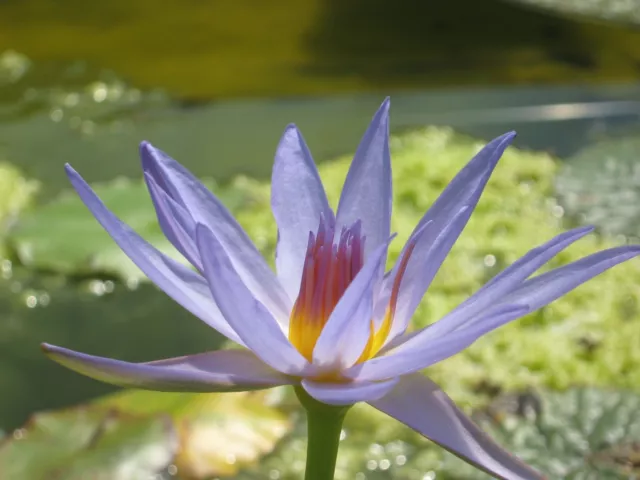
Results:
x,y
330,320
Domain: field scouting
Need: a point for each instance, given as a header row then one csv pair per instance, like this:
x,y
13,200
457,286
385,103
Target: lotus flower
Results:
x,y
330,320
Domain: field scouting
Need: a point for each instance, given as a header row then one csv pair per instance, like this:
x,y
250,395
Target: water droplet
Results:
x,y
56,114
489,260
172,470
97,287
31,301
372,464
384,464
557,211
274,474
44,299
99,92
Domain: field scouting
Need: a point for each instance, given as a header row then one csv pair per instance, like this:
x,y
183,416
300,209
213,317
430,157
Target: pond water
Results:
x,y
86,84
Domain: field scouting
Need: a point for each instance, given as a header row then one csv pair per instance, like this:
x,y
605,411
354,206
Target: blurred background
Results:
x,y
214,83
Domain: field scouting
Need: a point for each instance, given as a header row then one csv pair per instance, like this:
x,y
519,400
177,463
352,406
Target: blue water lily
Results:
x,y
330,320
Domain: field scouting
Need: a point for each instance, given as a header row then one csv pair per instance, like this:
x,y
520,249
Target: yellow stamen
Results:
x,y
328,270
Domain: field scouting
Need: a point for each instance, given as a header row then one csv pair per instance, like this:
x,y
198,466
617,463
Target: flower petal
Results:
x,y
298,201
219,371
179,282
413,355
424,349
495,290
347,331
348,393
186,190
420,404
249,318
366,195
545,288
175,222
443,224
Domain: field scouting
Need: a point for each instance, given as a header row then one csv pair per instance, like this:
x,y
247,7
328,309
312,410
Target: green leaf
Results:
x,y
583,433
84,443
600,185
218,433
63,236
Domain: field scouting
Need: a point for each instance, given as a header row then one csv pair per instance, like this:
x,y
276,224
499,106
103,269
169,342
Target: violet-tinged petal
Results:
x,y
495,290
366,194
545,288
179,282
185,189
348,393
219,371
175,222
424,349
253,323
413,356
420,404
459,197
426,259
347,331
298,201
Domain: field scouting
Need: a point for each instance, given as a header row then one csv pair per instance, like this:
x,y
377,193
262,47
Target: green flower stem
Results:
x,y
324,424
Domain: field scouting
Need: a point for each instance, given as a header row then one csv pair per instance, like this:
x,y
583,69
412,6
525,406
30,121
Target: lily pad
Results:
x,y
218,433
583,433
83,443
600,185
63,236
623,11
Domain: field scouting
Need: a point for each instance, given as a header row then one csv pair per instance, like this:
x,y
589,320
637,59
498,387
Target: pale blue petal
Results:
x,y
425,261
423,349
219,371
348,393
185,189
347,331
366,195
175,222
505,282
298,201
415,355
442,224
420,404
179,282
545,288
253,323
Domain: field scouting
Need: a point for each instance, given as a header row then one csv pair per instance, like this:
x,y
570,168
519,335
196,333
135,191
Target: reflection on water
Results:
x,y
208,49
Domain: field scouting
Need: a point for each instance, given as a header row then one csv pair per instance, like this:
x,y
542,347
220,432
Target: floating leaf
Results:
x,y
63,236
82,443
218,433
583,433
600,185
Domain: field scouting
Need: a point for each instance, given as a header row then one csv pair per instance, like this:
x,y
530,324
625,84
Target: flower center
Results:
x,y
331,263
